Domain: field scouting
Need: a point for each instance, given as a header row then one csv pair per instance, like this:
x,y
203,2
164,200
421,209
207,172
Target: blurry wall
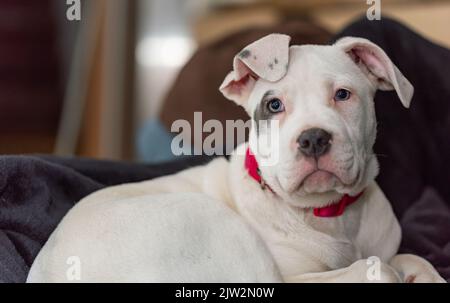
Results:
x,y
66,38
97,115
30,82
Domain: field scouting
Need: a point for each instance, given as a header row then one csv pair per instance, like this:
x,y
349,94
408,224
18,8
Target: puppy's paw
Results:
x,y
415,269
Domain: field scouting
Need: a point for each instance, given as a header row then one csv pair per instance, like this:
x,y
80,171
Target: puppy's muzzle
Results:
x,y
314,142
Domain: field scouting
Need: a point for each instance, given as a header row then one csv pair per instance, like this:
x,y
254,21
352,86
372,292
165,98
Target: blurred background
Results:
x,y
111,84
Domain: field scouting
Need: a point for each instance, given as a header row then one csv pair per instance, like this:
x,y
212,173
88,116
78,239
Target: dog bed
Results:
x,y
413,149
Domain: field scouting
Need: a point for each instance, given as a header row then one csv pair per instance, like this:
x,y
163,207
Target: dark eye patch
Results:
x,y
262,112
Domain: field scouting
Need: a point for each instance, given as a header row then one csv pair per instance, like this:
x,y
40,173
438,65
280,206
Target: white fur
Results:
x,y
214,223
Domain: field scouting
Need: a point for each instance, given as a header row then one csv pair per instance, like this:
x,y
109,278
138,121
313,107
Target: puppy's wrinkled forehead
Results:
x,y
314,64
314,69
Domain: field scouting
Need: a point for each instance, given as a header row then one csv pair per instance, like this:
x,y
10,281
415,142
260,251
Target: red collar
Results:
x,y
333,210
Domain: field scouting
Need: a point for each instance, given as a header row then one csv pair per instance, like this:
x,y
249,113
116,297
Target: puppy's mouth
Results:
x,y
318,176
322,175
319,181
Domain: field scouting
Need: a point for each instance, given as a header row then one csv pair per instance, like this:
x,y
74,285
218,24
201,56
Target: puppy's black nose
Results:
x,y
314,142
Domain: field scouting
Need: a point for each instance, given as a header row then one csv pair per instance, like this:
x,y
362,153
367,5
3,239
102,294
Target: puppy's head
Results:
x,y
321,98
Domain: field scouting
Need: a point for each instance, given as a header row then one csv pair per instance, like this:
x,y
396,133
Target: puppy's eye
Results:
x,y
342,95
275,106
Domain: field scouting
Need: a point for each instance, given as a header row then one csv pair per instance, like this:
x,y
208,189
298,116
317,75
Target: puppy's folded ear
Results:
x,y
377,65
266,58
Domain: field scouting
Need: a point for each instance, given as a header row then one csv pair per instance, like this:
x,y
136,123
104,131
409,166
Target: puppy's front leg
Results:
x,y
415,269
358,272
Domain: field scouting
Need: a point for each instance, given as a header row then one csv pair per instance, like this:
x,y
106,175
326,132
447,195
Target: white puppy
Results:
x,y
304,208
